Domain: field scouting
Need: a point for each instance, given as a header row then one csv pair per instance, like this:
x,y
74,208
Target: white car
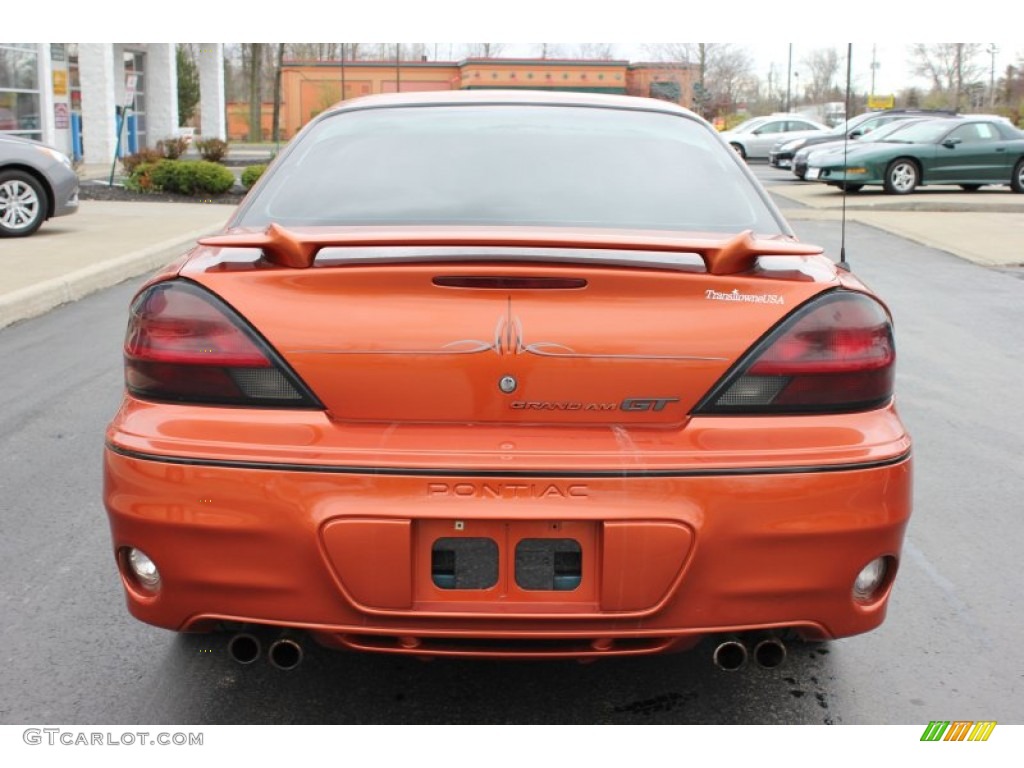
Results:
x,y
755,138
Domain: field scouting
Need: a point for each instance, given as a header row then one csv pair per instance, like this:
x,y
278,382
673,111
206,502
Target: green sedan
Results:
x,y
964,151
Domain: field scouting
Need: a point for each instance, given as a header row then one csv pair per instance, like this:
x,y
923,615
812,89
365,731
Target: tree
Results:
x,y
188,83
255,51
728,74
549,50
594,51
275,131
484,50
823,66
951,68
724,72
314,51
678,53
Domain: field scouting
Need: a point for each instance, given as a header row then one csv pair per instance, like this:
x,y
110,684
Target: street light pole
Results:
x,y
874,66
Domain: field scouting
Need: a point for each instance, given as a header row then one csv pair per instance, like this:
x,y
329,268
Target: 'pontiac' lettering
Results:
x,y
508,490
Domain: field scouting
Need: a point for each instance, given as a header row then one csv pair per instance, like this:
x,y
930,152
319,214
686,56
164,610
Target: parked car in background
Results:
x,y
754,138
36,183
964,151
781,154
515,375
803,155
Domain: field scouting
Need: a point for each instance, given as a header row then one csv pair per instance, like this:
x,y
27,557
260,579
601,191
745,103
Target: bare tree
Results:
x,y
255,62
594,51
484,50
727,74
354,51
549,50
676,53
951,68
823,67
314,51
275,130
386,51
724,71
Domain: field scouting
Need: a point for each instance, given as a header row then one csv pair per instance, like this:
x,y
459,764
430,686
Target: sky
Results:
x,y
764,28
894,71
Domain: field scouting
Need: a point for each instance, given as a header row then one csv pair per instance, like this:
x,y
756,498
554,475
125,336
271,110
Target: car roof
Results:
x,y
511,97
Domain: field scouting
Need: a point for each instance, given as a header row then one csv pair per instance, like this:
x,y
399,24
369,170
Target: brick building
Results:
x,y
308,88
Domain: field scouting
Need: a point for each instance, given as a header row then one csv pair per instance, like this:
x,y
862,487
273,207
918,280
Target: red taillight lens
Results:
x,y
184,344
835,354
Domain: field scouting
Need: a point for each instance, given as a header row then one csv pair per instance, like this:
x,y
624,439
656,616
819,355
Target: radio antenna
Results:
x,y
843,264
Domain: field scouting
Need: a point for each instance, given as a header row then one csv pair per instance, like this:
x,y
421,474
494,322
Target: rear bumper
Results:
x,y
664,560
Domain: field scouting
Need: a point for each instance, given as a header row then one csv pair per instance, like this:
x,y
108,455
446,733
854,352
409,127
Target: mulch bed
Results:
x,y
90,190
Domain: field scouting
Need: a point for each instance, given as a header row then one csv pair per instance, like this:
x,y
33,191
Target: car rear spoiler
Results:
x,y
298,250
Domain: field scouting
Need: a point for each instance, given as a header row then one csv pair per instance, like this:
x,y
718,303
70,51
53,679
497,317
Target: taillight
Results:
x,y
835,354
185,345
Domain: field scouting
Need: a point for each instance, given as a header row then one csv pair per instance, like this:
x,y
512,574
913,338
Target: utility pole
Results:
x,y
789,78
992,50
959,73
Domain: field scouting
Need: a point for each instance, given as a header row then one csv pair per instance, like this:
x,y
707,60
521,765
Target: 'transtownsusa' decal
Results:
x,y
632,404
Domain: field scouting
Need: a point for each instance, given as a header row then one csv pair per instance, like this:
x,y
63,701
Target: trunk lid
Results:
x,y
420,339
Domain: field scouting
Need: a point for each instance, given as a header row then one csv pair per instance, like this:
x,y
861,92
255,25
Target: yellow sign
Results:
x,y
60,82
881,102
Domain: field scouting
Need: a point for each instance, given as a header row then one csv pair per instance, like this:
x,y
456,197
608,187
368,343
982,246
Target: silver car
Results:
x,y
754,138
36,183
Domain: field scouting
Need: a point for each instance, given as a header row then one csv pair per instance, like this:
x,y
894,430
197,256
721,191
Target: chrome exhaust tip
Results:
x,y
285,654
244,648
770,652
730,655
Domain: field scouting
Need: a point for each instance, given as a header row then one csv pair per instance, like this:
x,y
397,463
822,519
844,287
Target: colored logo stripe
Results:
x,y
958,730
982,730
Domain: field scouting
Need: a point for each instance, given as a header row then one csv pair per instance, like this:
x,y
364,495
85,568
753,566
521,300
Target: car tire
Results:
x,y
23,204
1017,180
850,187
902,176
970,187
738,149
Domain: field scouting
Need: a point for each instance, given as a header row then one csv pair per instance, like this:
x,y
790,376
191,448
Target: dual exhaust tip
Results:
x,y
284,653
732,653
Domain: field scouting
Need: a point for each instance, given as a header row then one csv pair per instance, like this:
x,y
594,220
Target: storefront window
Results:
x,y
74,78
19,89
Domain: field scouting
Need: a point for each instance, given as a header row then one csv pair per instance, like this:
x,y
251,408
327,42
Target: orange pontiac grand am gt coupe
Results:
x,y
508,374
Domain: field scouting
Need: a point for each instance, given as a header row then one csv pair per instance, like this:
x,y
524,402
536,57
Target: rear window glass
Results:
x,y
510,166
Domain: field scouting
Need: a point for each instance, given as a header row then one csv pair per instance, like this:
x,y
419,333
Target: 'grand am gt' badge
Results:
x,y
751,298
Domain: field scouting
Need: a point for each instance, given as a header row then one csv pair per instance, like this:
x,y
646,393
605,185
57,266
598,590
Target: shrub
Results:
x,y
252,174
213,150
173,147
144,155
185,177
140,179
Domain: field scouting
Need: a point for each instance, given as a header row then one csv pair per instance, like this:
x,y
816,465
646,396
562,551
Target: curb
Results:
x,y
38,299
